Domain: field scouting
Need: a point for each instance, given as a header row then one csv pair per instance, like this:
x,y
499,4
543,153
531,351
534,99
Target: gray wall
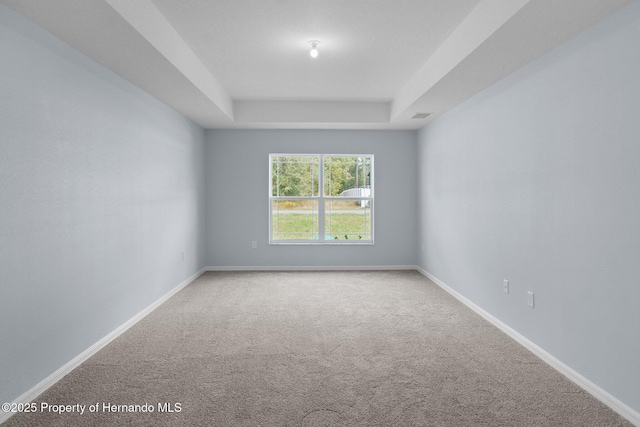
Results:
x,y
537,180
238,197
101,189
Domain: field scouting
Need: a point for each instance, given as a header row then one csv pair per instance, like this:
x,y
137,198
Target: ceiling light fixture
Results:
x,y
314,48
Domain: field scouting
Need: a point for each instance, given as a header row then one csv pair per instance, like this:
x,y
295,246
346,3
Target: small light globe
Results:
x,y
314,48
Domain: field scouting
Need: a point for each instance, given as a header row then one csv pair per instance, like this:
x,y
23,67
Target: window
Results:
x,y
322,199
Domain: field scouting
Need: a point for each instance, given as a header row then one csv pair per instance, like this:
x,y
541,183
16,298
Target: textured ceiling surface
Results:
x,y
259,49
246,64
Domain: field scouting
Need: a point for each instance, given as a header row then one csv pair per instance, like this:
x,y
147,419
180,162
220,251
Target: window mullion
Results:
x,y
321,200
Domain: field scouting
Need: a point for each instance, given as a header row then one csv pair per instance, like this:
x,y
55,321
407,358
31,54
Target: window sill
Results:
x,y
324,243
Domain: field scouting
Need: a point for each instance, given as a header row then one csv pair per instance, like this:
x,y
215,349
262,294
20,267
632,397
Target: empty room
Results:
x,y
320,213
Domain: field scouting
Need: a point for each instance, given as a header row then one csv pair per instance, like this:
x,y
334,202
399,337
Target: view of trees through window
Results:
x,y
342,211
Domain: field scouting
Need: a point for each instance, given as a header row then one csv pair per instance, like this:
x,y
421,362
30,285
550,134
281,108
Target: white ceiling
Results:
x,y
246,63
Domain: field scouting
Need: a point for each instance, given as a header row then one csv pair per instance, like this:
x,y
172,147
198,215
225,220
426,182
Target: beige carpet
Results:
x,y
317,349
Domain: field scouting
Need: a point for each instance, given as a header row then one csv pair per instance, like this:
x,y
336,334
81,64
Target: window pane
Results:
x,y
347,176
295,176
347,220
294,219
304,210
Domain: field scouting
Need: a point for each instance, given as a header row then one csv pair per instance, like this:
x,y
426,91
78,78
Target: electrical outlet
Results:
x,y
254,244
505,286
530,299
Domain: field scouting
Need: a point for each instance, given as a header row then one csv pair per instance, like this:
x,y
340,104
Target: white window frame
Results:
x,y
321,198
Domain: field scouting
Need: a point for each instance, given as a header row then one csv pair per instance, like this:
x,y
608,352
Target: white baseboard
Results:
x,y
616,405
600,394
43,385
310,268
